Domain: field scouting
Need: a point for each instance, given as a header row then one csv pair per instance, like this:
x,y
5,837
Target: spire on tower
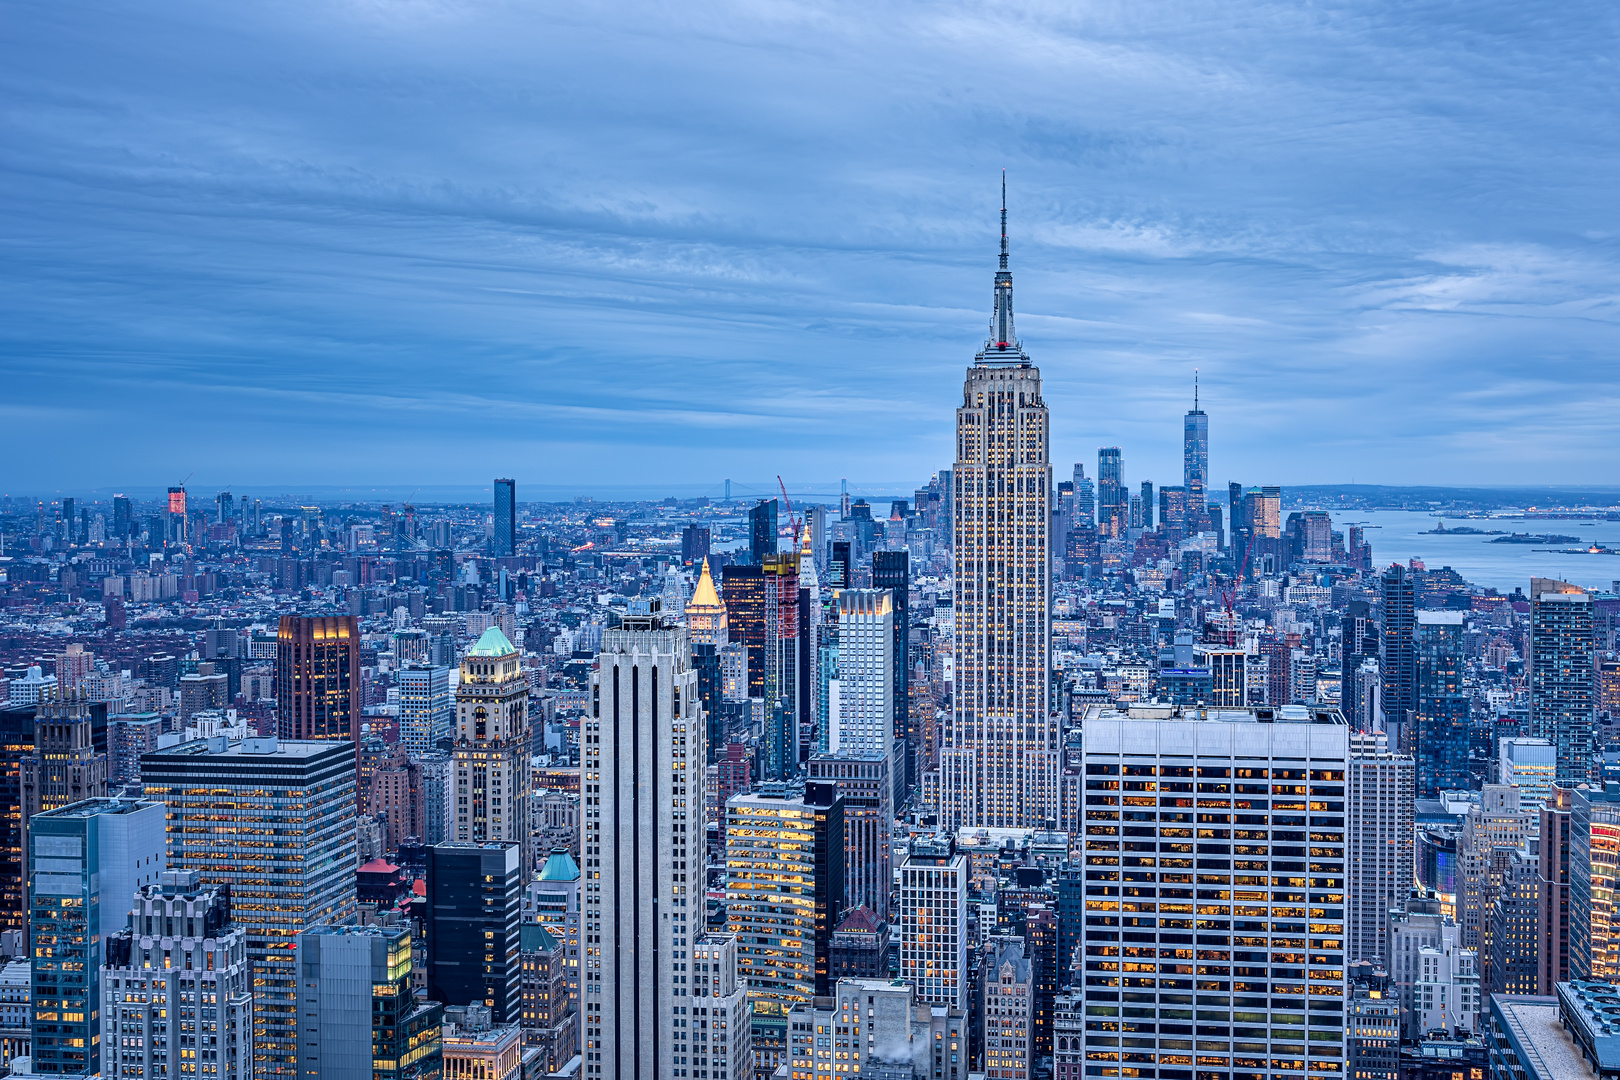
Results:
x,y
1003,219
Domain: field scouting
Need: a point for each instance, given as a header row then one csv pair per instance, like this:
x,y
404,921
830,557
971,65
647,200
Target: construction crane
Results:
x,y
792,520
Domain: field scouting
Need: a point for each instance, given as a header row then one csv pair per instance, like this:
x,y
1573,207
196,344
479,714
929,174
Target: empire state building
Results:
x,y
999,759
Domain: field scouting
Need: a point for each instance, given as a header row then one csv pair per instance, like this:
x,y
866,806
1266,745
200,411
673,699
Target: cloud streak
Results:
x,y
637,243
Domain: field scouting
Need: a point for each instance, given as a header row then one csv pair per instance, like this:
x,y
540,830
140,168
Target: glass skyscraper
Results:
x,y
505,539
1441,735
1561,676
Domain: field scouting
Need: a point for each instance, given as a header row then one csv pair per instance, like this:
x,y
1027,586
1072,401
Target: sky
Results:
x,y
432,242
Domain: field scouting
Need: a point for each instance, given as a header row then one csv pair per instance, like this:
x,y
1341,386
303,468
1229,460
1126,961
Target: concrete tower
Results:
x,y
999,763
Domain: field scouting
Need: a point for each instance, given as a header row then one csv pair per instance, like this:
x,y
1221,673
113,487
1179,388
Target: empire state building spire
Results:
x,y
1003,345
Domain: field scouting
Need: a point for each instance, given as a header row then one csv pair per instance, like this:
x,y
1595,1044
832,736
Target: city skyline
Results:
x,y
291,270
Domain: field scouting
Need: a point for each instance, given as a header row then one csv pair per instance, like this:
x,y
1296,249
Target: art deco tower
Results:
x,y
999,761
492,746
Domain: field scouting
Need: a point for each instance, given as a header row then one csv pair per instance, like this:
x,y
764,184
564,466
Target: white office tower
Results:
x,y
934,883
999,759
177,988
865,1026
861,699
641,847
713,1031
427,711
1382,787
1215,882
1446,994
1530,765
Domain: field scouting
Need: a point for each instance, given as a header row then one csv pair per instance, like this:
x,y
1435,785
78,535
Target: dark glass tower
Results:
x,y
474,894
1195,464
1441,708
892,570
1113,505
1400,657
505,541
743,589
1561,676
762,531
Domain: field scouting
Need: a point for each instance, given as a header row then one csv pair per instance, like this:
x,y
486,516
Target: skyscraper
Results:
x,y
1380,853
1399,669
999,761
1195,464
276,822
862,713
1147,504
934,949
87,859
708,631
1113,504
762,531
1562,693
427,712
359,1015
1235,868
1441,715
1085,498
180,956
785,887
642,843
892,570
492,746
505,542
474,914
318,677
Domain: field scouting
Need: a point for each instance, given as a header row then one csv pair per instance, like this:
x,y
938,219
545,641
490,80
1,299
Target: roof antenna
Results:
x,y
1004,219
1195,389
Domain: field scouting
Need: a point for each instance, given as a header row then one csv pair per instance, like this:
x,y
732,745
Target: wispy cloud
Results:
x,y
665,243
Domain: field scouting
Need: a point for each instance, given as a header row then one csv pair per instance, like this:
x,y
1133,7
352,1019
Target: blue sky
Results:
x,y
408,241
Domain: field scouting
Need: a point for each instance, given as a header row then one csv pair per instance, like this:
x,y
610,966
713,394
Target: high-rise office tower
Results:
x,y
812,716
1512,964
642,844
1554,841
1442,705
123,518
1085,498
861,706
1195,464
1009,977
1493,826
999,762
785,887
276,822
780,685
1112,501
318,677
838,567
863,1029
224,507
762,531
1358,644
177,987
67,764
892,570
1561,676
474,911
359,1018
1173,512
174,525
864,784
708,631
934,882
86,859
1381,816
1232,829
427,711
1529,764
505,541
16,745
492,746
1147,504
1399,667
694,544
744,594
1594,887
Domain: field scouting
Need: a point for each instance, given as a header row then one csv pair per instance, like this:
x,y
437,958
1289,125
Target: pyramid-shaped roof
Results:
x,y
492,643
704,595
560,867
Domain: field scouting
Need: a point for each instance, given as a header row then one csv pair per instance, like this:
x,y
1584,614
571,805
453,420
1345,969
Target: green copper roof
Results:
x,y
532,937
560,867
492,643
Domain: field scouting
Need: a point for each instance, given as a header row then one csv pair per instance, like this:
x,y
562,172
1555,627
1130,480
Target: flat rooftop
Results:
x,y
220,747
97,807
1539,1037
1282,714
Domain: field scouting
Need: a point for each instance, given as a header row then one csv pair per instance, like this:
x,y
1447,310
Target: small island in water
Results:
x,y
1536,538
